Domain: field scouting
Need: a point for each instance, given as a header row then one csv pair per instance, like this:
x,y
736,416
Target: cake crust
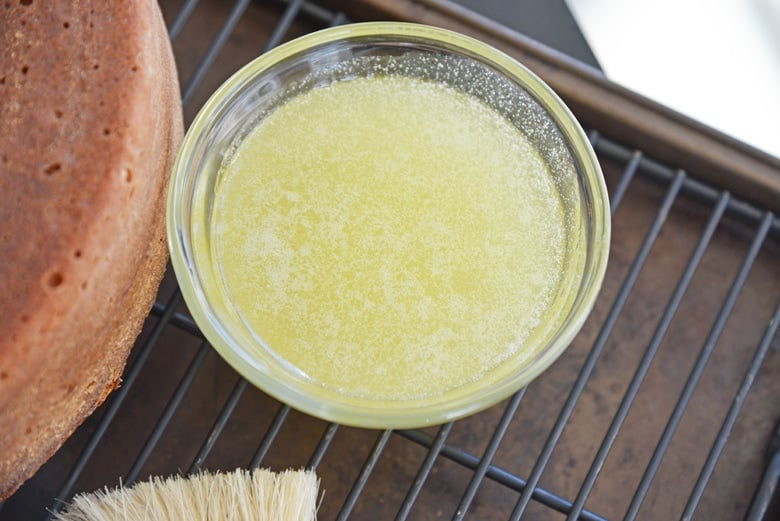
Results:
x,y
91,110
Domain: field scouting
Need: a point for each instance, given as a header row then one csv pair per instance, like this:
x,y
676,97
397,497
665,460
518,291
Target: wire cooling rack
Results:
x,y
663,407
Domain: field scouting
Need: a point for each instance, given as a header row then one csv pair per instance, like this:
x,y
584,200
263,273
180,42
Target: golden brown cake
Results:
x,y
90,120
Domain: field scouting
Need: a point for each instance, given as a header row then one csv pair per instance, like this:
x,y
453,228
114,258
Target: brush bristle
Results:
x,y
242,495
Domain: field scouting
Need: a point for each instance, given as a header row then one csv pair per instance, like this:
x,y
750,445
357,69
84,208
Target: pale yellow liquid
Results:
x,y
390,238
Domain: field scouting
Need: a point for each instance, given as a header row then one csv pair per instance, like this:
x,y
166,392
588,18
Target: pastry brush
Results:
x,y
241,495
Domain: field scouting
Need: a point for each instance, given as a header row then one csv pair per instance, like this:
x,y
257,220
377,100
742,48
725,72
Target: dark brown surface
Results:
x,y
737,471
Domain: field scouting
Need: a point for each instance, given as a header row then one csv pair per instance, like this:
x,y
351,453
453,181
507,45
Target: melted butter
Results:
x,y
390,238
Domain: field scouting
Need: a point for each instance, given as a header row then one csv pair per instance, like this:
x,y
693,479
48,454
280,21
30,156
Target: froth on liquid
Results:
x,y
391,238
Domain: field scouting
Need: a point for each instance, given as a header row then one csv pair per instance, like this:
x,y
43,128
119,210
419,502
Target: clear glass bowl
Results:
x,y
358,50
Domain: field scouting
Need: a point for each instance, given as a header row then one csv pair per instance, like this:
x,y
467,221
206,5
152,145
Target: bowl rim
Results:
x,y
596,200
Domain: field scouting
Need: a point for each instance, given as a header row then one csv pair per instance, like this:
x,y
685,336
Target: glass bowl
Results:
x,y
365,51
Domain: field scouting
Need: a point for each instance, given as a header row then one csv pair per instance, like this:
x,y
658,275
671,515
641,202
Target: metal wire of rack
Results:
x,y
661,408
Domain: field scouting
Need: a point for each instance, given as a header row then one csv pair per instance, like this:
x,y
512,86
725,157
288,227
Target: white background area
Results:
x,y
717,61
